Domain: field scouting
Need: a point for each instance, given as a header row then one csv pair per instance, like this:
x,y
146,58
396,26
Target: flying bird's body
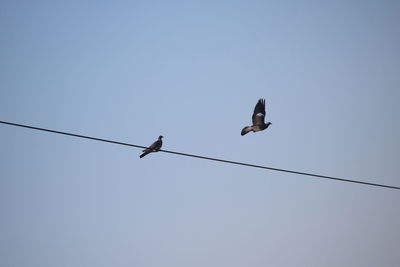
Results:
x,y
155,147
258,119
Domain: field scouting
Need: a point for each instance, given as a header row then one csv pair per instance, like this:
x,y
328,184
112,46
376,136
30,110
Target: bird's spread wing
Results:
x,y
259,113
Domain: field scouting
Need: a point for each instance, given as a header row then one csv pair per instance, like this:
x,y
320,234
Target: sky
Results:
x,y
193,71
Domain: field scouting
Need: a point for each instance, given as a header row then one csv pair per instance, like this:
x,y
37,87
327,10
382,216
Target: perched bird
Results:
x,y
257,118
153,148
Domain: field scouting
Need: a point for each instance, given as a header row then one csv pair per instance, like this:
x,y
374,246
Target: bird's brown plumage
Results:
x,y
258,119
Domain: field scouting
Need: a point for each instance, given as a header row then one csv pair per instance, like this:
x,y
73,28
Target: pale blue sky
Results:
x,y
192,71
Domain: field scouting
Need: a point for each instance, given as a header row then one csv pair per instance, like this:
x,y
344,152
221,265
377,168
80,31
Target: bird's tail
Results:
x,y
145,153
246,130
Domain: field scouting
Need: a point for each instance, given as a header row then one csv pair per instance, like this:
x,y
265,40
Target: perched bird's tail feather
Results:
x,y
144,154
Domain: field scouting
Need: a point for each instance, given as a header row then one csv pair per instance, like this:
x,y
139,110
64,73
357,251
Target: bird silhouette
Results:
x,y
153,147
257,118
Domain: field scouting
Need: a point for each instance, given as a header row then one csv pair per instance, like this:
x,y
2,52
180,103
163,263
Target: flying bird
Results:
x,y
257,118
153,148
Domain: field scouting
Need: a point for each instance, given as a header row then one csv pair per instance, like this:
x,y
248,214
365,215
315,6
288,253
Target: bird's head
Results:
x,y
160,137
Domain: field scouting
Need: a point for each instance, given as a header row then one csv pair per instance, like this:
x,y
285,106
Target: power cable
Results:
x,y
203,157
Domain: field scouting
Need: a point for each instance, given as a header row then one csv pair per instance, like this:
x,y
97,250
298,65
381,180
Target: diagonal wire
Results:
x,y
203,157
